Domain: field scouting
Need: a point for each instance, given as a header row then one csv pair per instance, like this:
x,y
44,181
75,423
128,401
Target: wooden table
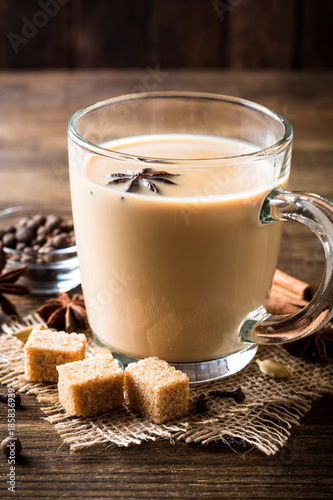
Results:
x,y
34,109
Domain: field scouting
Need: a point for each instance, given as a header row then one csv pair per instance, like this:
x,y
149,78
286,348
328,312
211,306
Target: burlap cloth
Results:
x,y
264,420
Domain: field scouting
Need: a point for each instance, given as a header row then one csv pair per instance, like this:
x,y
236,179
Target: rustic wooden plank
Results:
x,y
2,33
36,34
187,33
316,44
230,33
108,34
162,470
261,34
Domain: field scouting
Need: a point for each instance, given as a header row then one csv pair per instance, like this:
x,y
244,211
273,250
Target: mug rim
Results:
x,y
266,152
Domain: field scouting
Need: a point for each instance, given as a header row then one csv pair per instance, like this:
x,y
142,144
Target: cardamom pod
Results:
x,y
24,333
274,368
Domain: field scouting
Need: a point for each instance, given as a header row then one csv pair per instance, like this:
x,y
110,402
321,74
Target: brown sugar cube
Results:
x,y
45,349
91,386
156,390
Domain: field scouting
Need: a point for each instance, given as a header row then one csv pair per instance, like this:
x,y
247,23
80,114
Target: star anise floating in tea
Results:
x,y
9,286
318,347
64,313
147,176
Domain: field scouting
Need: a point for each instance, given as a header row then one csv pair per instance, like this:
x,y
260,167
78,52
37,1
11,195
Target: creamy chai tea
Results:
x,y
175,272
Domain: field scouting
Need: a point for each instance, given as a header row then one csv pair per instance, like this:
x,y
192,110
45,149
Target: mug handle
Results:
x,y
316,213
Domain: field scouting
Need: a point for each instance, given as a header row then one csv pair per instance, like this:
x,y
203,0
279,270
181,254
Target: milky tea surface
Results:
x,y
174,274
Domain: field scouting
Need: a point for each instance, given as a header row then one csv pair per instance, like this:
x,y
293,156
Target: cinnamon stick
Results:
x,y
297,287
287,294
283,295
276,306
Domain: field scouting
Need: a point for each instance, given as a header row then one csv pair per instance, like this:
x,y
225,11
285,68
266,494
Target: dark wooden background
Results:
x,y
290,34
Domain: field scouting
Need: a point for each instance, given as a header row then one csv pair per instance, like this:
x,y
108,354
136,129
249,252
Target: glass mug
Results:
x,y
178,199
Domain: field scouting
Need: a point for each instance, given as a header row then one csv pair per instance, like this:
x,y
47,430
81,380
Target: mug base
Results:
x,y
200,371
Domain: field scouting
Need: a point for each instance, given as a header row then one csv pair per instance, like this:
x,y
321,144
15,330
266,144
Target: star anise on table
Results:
x,y
9,286
64,313
318,347
146,176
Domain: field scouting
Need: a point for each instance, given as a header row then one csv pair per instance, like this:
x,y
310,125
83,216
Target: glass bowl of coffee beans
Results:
x,y
42,238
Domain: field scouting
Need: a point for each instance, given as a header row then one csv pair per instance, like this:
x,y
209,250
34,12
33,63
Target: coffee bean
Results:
x,y
52,221
71,241
67,226
22,222
14,397
40,240
56,231
10,229
32,224
49,257
11,447
60,241
46,248
42,231
15,257
39,218
20,246
25,234
27,259
9,240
